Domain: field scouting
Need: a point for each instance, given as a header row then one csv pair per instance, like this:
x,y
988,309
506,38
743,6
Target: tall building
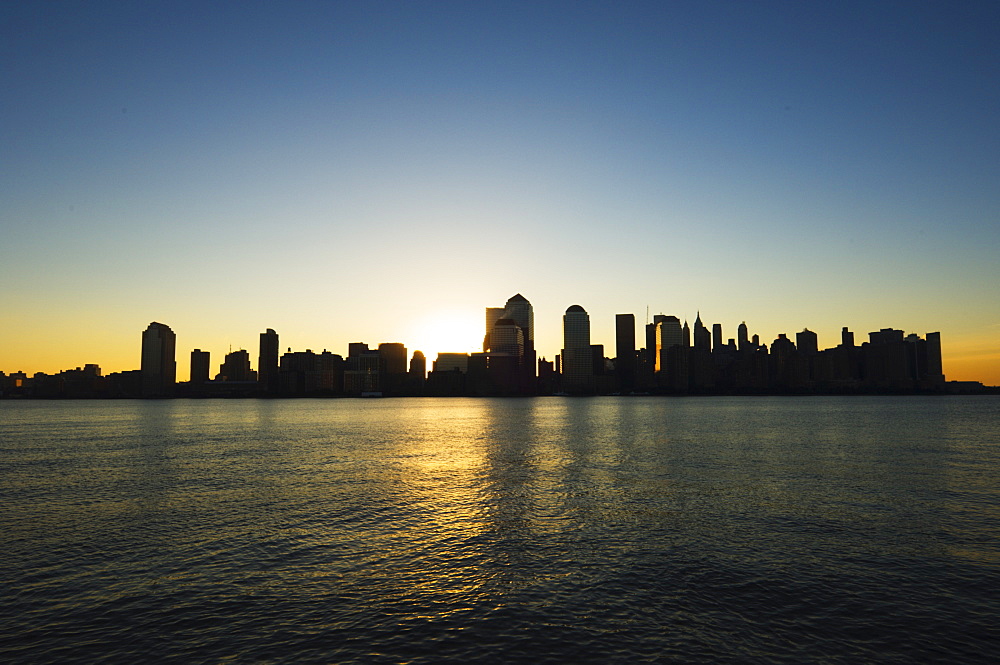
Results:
x,y
625,359
516,311
392,367
653,331
158,366
846,337
807,342
668,334
519,309
507,337
702,338
355,349
935,370
199,366
362,370
418,365
493,314
267,361
717,336
393,355
449,362
236,367
742,337
577,357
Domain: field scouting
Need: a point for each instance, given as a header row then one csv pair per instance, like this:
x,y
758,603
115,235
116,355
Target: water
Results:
x,y
548,530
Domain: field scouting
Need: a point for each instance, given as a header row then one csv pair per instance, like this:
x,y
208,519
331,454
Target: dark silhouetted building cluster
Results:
x,y
680,359
676,359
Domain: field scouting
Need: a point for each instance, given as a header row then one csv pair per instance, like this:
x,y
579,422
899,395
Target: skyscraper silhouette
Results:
x,y
158,365
742,337
418,365
267,362
625,360
493,314
668,334
577,358
519,313
519,310
507,337
702,338
236,367
199,366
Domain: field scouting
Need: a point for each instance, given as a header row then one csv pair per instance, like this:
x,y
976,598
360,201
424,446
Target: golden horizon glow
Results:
x,y
445,331
113,343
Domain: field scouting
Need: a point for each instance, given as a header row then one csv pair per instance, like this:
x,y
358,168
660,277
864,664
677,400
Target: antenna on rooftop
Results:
x,y
647,315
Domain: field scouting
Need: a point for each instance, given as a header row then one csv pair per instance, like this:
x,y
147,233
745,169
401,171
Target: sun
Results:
x,y
447,331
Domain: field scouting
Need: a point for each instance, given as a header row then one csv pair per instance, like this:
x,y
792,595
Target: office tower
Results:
x,y
598,362
702,338
668,333
361,370
199,366
742,337
787,367
686,335
885,359
886,336
935,370
450,362
625,361
625,338
393,355
519,309
652,356
328,377
577,359
158,367
355,349
651,343
716,336
782,345
493,314
846,337
236,367
807,342
267,361
392,367
508,338
308,373
519,312
418,365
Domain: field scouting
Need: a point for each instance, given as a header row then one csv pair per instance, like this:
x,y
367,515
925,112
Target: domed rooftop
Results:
x,y
575,308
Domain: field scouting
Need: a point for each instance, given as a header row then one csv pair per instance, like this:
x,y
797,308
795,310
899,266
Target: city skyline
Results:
x,y
675,359
355,171
653,334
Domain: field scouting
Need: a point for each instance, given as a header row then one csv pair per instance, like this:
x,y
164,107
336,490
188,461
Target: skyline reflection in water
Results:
x,y
426,530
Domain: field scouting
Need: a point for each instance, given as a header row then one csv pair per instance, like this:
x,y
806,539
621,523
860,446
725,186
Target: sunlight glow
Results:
x,y
453,331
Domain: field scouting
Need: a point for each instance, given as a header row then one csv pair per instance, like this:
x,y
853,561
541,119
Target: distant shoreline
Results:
x,y
945,392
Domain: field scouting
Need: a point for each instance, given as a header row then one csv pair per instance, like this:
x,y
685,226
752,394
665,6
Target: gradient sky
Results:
x,y
383,171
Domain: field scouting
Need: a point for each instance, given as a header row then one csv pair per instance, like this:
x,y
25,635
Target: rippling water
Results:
x,y
786,530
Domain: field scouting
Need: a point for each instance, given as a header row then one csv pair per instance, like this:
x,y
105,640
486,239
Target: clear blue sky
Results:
x,y
360,171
